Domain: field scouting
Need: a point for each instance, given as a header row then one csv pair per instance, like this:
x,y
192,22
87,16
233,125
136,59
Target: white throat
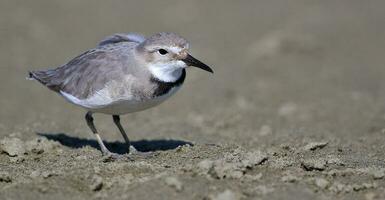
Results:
x,y
167,72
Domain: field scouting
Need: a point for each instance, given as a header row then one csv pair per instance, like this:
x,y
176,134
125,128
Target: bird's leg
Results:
x,y
116,119
90,123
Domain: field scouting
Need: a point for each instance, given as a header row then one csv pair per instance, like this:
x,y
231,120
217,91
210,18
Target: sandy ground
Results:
x,y
295,109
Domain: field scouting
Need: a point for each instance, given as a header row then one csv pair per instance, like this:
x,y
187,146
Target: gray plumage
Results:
x,y
124,73
90,71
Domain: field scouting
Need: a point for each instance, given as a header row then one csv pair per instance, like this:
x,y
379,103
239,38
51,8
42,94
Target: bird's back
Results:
x,y
92,70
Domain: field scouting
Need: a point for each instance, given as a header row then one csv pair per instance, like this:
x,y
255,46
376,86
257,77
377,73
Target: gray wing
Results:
x,y
122,37
90,71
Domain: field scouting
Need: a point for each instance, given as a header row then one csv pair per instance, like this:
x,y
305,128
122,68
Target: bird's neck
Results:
x,y
167,72
163,87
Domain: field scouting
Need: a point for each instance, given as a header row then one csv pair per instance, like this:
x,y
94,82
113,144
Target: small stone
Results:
x,y
252,159
96,183
315,145
174,182
321,183
35,174
222,169
12,146
4,177
314,164
47,174
378,174
340,188
205,165
289,178
226,195
232,165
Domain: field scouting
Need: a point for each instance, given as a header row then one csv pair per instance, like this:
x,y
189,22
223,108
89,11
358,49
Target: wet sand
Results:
x,y
294,110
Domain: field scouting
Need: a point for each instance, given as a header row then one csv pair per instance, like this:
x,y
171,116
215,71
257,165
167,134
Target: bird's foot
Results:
x,y
134,152
111,157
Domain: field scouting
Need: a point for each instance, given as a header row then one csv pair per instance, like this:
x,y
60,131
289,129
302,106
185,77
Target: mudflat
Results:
x,y
294,110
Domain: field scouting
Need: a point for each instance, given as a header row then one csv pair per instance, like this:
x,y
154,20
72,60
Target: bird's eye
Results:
x,y
162,52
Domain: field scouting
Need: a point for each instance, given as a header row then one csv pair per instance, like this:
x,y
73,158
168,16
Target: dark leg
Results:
x,y
90,123
116,119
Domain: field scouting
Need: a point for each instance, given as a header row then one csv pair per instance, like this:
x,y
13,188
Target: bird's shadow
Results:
x,y
117,146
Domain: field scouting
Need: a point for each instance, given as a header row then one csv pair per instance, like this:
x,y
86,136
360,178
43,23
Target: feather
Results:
x,y
122,37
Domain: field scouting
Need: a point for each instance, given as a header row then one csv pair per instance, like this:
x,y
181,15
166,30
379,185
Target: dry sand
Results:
x,y
295,109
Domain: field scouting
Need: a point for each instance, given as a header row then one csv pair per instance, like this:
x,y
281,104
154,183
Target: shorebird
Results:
x,y
125,73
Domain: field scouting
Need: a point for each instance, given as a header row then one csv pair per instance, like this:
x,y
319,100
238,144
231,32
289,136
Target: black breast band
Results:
x,y
165,87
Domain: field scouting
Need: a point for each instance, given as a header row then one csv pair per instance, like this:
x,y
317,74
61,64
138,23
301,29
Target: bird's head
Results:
x,y
166,55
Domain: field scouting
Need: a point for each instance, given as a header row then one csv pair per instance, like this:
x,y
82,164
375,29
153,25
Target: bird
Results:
x,y
124,73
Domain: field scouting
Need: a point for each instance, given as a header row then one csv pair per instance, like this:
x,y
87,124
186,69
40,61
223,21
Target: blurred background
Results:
x,y
284,70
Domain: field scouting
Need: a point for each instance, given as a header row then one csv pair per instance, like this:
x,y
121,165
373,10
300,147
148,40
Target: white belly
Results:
x,y
102,103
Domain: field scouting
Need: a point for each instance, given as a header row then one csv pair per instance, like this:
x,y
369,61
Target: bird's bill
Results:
x,y
191,61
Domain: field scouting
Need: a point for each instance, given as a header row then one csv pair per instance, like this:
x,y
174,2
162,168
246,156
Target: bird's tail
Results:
x,y
30,76
36,75
45,77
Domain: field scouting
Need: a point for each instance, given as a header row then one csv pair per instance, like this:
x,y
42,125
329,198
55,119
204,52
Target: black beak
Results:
x,y
191,61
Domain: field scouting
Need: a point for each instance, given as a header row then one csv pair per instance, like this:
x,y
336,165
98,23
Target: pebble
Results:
x,y
340,188
252,159
315,145
174,182
47,174
5,177
35,174
96,183
289,178
321,183
378,174
222,169
314,164
232,165
12,146
205,165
